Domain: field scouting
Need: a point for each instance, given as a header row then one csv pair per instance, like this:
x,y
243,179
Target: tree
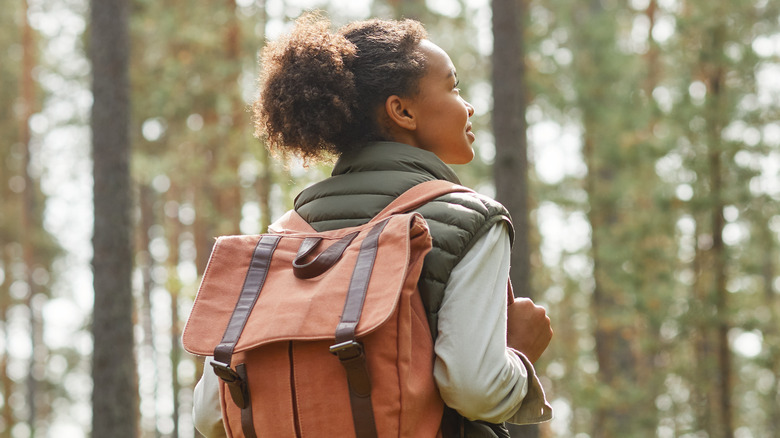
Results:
x,y
27,251
29,222
114,395
630,246
510,167
509,127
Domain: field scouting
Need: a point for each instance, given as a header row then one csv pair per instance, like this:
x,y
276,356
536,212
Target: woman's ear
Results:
x,y
400,113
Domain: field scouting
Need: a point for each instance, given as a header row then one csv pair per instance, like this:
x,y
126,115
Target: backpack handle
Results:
x,y
324,260
419,195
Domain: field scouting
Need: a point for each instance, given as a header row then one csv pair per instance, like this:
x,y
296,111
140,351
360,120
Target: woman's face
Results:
x,y
442,116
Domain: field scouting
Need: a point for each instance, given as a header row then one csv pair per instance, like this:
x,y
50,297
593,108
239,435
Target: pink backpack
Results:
x,y
322,334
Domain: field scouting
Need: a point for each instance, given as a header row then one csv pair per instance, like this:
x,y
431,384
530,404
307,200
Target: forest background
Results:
x,y
646,200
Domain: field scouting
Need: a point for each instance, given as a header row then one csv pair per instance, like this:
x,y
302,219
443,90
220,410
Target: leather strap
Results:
x,y
247,423
324,261
349,351
253,283
236,380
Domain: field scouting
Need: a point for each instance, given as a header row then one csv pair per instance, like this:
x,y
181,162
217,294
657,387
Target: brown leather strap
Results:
x,y
347,348
236,380
324,261
253,283
358,285
247,423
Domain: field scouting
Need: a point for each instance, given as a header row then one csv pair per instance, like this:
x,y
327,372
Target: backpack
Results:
x,y
322,334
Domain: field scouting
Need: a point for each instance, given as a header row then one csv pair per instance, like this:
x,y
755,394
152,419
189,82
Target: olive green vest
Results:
x,y
365,182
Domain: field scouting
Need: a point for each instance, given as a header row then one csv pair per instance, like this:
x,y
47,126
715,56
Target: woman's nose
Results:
x,y
470,108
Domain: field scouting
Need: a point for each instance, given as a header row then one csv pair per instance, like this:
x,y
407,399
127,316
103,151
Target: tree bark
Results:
x,y
114,396
509,129
28,226
615,320
9,420
772,331
265,179
146,349
510,168
715,413
174,286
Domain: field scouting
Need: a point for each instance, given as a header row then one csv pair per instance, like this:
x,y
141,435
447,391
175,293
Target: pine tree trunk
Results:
x,y
771,331
174,288
9,420
715,411
614,324
27,100
510,168
147,350
114,397
265,179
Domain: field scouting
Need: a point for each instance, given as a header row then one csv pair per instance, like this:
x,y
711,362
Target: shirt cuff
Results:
x,y
535,407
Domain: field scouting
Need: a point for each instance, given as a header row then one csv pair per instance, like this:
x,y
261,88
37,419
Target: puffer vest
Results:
x,y
365,182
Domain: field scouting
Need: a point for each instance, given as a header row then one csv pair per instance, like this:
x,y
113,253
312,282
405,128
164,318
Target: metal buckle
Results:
x,y
238,388
224,372
347,350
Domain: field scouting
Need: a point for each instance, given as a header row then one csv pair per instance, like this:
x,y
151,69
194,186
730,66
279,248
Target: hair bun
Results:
x,y
307,94
319,90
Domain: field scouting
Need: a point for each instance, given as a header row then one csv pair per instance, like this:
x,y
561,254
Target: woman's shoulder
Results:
x,y
463,217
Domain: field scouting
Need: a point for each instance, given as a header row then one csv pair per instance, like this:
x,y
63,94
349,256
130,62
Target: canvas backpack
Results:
x,y
322,334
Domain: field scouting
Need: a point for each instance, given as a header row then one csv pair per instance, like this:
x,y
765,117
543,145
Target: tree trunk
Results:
x,y
27,100
510,167
114,397
715,411
147,350
610,194
265,179
5,380
771,331
174,233
509,129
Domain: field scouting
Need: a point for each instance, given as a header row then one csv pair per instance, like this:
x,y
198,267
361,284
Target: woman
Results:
x,y
384,99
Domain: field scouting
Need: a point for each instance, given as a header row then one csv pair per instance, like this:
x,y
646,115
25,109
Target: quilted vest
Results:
x,y
363,183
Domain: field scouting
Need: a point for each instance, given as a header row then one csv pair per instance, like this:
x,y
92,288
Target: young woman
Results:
x,y
384,99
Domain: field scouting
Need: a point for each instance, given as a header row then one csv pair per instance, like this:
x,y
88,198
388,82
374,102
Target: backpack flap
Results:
x,y
293,308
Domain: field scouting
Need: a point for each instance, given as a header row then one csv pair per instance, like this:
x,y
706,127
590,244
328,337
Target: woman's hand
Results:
x,y
528,328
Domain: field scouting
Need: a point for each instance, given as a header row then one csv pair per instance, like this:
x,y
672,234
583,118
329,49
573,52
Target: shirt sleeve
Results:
x,y
206,410
477,374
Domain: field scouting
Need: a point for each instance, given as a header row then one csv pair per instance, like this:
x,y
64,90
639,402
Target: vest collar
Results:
x,y
387,155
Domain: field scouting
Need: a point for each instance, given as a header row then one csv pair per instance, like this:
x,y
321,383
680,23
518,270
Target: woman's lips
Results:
x,y
470,134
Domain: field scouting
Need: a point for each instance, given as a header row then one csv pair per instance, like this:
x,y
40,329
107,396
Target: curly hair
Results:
x,y
320,91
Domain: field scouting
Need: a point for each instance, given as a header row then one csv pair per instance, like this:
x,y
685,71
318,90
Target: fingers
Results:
x,y
529,328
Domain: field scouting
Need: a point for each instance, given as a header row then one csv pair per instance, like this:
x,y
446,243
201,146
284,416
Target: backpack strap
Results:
x,y
347,348
236,380
419,195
